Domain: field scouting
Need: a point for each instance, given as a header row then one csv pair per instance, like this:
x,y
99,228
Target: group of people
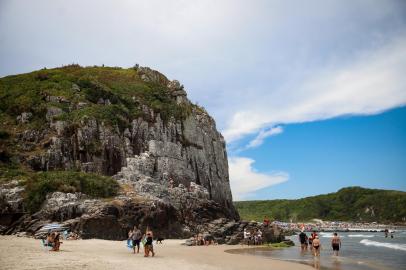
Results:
x,y
135,237
53,238
204,240
253,237
315,245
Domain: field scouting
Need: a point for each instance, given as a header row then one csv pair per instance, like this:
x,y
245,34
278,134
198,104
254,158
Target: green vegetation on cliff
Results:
x,y
33,104
113,95
42,183
348,204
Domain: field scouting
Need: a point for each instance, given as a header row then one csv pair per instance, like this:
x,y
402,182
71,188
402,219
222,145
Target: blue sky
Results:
x,y
325,156
274,74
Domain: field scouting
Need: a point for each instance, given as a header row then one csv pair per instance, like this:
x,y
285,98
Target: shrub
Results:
x,y
42,76
43,183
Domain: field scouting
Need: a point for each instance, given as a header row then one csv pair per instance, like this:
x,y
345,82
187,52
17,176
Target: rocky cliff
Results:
x,y
133,125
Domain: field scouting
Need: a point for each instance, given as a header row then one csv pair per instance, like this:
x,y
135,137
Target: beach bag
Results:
x,y
129,243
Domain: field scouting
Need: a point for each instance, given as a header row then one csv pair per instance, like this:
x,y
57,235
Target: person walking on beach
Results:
x,y
336,244
302,240
148,247
316,246
136,239
259,237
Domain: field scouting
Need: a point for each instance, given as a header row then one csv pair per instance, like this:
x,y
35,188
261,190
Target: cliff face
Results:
x,y
134,125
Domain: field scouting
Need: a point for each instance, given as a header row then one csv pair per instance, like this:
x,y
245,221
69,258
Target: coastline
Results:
x,y
367,251
27,253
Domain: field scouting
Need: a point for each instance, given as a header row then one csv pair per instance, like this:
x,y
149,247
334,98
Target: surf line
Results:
x,y
368,242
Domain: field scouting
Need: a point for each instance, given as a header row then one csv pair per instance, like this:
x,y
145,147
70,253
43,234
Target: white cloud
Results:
x,y
371,83
263,134
245,180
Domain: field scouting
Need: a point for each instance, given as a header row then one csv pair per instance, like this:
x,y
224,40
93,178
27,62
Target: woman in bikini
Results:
x,y
316,246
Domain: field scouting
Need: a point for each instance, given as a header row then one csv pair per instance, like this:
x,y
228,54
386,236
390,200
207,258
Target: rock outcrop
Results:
x,y
173,170
183,150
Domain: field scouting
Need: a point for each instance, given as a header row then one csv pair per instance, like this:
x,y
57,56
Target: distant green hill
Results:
x,y
348,204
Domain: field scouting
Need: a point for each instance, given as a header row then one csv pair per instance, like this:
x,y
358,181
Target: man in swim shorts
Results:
x,y
136,238
336,244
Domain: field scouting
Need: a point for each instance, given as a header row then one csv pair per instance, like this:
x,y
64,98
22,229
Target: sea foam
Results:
x,y
368,242
329,235
361,235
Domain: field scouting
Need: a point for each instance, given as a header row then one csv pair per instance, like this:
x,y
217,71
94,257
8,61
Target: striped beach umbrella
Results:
x,y
51,226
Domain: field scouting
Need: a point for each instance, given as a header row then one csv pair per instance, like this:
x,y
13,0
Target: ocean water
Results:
x,y
359,251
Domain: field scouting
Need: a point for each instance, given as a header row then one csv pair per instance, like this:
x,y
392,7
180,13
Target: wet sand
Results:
x,y
27,253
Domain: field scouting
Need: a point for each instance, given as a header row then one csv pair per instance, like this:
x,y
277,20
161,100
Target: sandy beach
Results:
x,y
27,253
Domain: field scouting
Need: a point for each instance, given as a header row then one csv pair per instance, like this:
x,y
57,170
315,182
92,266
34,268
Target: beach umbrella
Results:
x,y
51,226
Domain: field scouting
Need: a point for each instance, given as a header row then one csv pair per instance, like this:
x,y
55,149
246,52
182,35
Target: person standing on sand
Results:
x,y
246,236
136,238
259,234
336,244
316,246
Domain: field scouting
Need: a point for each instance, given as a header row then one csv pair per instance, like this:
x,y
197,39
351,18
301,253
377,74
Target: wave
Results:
x,y
326,235
368,242
329,235
361,235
